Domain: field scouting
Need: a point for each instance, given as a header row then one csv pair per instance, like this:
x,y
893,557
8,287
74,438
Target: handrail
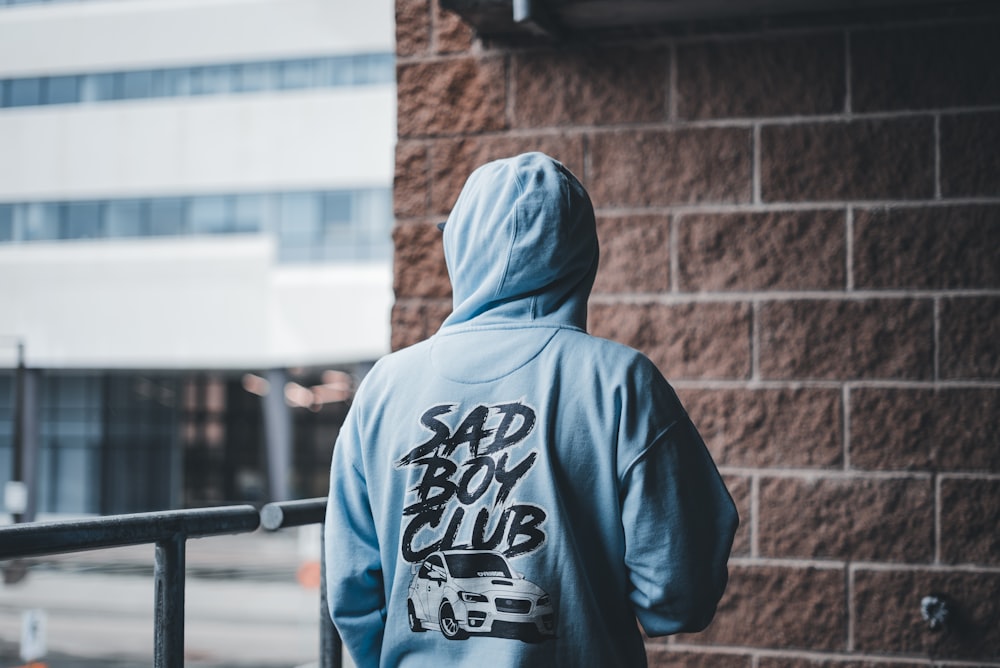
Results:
x,y
283,514
168,530
42,538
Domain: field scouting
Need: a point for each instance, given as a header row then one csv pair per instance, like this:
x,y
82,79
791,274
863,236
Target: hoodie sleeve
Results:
x,y
354,579
679,522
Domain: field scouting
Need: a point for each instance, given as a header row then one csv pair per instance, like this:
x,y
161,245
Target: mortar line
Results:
x,y
818,655
937,519
937,156
782,206
755,175
803,383
754,515
873,566
509,89
851,616
674,254
736,122
963,475
668,299
849,248
830,473
848,92
755,340
672,102
432,40
846,426
936,343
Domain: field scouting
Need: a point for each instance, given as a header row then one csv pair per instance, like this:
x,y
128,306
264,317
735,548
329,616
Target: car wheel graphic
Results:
x,y
449,625
411,615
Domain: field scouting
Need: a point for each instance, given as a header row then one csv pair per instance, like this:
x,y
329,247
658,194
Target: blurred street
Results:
x,y
250,601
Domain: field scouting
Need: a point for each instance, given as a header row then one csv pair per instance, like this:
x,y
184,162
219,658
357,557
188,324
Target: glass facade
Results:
x,y
226,79
7,380
122,442
106,442
311,226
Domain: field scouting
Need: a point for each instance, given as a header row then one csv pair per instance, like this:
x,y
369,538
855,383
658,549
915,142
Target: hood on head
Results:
x,y
521,243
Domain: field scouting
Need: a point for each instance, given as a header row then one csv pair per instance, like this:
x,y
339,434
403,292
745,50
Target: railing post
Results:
x,y
330,647
168,649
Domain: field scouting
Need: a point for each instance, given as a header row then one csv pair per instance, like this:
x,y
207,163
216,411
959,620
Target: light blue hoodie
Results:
x,y
513,491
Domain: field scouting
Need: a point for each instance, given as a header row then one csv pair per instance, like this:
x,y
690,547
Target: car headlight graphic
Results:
x,y
472,597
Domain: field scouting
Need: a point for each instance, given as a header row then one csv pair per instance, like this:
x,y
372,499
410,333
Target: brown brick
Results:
x,y
416,320
932,430
659,656
846,339
453,160
635,254
451,34
782,662
780,607
925,68
797,428
887,613
683,340
661,167
411,187
948,247
590,87
866,159
413,27
739,489
451,96
970,332
970,517
761,77
856,519
418,265
786,250
970,155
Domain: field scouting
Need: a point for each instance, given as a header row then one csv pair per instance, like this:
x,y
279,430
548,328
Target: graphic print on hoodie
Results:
x,y
464,523
513,477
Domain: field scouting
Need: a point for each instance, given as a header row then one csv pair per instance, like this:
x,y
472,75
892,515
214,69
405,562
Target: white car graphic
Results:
x,y
464,592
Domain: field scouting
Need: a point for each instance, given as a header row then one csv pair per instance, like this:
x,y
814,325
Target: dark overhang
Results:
x,y
567,19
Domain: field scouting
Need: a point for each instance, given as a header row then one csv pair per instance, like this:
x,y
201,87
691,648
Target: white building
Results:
x,y
194,195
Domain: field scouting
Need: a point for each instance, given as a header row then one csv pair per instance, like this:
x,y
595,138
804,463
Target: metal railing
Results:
x,y
169,531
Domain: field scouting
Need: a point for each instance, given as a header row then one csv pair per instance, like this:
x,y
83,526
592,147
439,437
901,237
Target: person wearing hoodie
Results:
x,y
513,491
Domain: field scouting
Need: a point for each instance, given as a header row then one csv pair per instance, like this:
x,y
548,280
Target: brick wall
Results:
x,y
801,227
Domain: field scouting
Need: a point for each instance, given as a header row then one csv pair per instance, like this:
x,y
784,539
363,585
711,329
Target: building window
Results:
x,y
22,92
126,218
81,220
6,222
62,90
136,85
223,79
211,215
98,88
309,226
70,440
40,221
166,217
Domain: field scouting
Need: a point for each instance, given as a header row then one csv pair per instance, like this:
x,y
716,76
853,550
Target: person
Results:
x,y
513,491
